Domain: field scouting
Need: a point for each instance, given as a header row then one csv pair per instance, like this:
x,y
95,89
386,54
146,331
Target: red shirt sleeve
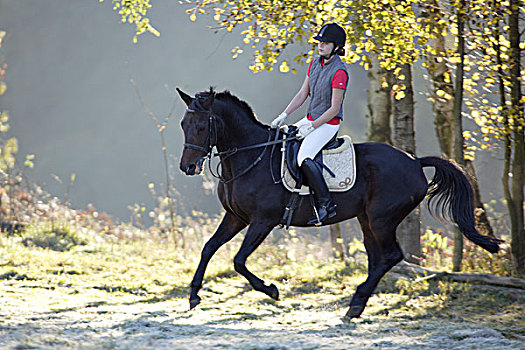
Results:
x,y
310,66
339,80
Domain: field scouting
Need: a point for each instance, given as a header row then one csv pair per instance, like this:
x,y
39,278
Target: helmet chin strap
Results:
x,y
334,50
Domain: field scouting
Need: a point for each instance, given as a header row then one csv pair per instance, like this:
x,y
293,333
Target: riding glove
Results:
x,y
279,120
305,129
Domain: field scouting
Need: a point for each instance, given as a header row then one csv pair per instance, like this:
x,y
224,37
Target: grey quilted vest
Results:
x,y
321,86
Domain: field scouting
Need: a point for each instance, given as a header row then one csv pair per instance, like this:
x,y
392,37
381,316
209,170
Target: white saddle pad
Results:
x,y
341,161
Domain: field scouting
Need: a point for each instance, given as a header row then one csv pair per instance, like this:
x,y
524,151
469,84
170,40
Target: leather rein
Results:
x,y
211,140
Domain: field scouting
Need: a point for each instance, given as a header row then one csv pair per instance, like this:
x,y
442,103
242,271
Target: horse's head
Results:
x,y
197,125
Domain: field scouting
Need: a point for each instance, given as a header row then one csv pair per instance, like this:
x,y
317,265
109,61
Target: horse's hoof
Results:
x,y
194,302
273,292
349,323
353,312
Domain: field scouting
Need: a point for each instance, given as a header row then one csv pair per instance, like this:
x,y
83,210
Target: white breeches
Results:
x,y
315,141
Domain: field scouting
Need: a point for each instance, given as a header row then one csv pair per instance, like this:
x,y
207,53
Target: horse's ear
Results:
x,y
185,97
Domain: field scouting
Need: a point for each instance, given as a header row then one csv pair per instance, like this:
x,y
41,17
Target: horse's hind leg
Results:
x,y
255,235
383,253
228,228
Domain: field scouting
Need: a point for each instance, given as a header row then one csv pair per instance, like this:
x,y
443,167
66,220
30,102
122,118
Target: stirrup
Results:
x,y
316,220
324,213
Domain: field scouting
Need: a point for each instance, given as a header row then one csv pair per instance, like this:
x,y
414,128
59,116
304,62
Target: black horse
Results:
x,y
390,184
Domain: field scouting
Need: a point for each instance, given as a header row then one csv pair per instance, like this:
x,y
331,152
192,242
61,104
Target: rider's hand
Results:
x,y
277,122
305,129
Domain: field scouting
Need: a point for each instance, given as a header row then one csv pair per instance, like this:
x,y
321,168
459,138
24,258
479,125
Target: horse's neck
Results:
x,y
238,130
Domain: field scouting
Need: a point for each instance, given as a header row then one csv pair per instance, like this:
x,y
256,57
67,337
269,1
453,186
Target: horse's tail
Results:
x,y
453,192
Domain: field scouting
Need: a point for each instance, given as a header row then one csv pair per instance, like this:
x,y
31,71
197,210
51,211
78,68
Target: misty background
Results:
x,y
71,103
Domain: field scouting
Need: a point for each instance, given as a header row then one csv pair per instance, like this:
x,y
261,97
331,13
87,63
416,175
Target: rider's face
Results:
x,y
325,48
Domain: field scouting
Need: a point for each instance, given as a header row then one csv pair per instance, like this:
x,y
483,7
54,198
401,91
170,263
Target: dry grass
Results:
x,y
124,293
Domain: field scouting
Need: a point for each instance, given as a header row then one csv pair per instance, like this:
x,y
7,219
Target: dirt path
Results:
x,y
33,317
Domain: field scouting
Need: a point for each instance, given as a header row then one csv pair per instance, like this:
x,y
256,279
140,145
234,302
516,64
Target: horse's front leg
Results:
x,y
228,228
255,235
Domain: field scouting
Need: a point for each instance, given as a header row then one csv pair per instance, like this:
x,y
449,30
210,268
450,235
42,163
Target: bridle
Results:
x,y
212,124
211,140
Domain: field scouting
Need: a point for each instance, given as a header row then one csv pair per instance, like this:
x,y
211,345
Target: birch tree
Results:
x,y
379,102
409,231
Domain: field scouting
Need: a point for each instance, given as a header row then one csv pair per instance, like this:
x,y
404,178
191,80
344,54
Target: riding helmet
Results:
x,y
332,32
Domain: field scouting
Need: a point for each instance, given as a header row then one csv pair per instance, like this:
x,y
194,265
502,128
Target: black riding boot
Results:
x,y
325,206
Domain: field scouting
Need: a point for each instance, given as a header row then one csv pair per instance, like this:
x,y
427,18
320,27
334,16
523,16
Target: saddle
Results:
x,y
337,159
292,149
337,155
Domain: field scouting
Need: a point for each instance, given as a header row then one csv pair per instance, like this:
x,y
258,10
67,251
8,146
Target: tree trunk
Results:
x,y
515,203
482,220
440,74
447,101
457,126
338,248
409,231
379,105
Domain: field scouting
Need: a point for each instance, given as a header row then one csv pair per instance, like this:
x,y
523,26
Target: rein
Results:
x,y
208,152
227,154
258,145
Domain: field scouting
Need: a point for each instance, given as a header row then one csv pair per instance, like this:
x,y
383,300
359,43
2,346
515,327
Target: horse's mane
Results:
x,y
226,97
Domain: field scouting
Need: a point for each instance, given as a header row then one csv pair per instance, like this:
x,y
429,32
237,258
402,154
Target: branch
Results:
x,y
406,268
172,110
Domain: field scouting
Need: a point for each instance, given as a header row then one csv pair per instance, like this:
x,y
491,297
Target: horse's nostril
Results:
x,y
188,169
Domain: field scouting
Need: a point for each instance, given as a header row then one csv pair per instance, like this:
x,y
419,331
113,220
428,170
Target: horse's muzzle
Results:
x,y
192,168
188,169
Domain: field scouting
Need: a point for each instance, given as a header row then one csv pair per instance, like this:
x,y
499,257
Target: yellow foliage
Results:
x,y
388,28
284,68
374,27
135,12
400,95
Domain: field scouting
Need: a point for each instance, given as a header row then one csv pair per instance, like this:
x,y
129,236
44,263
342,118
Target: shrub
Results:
x,y
60,237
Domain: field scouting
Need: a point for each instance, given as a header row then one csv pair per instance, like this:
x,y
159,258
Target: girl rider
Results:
x,y
325,83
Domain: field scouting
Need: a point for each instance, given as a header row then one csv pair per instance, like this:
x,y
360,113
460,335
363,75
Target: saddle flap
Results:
x,y
292,150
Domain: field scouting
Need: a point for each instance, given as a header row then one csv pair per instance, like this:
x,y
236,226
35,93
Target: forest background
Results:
x,y
470,49
96,215
467,75
97,129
